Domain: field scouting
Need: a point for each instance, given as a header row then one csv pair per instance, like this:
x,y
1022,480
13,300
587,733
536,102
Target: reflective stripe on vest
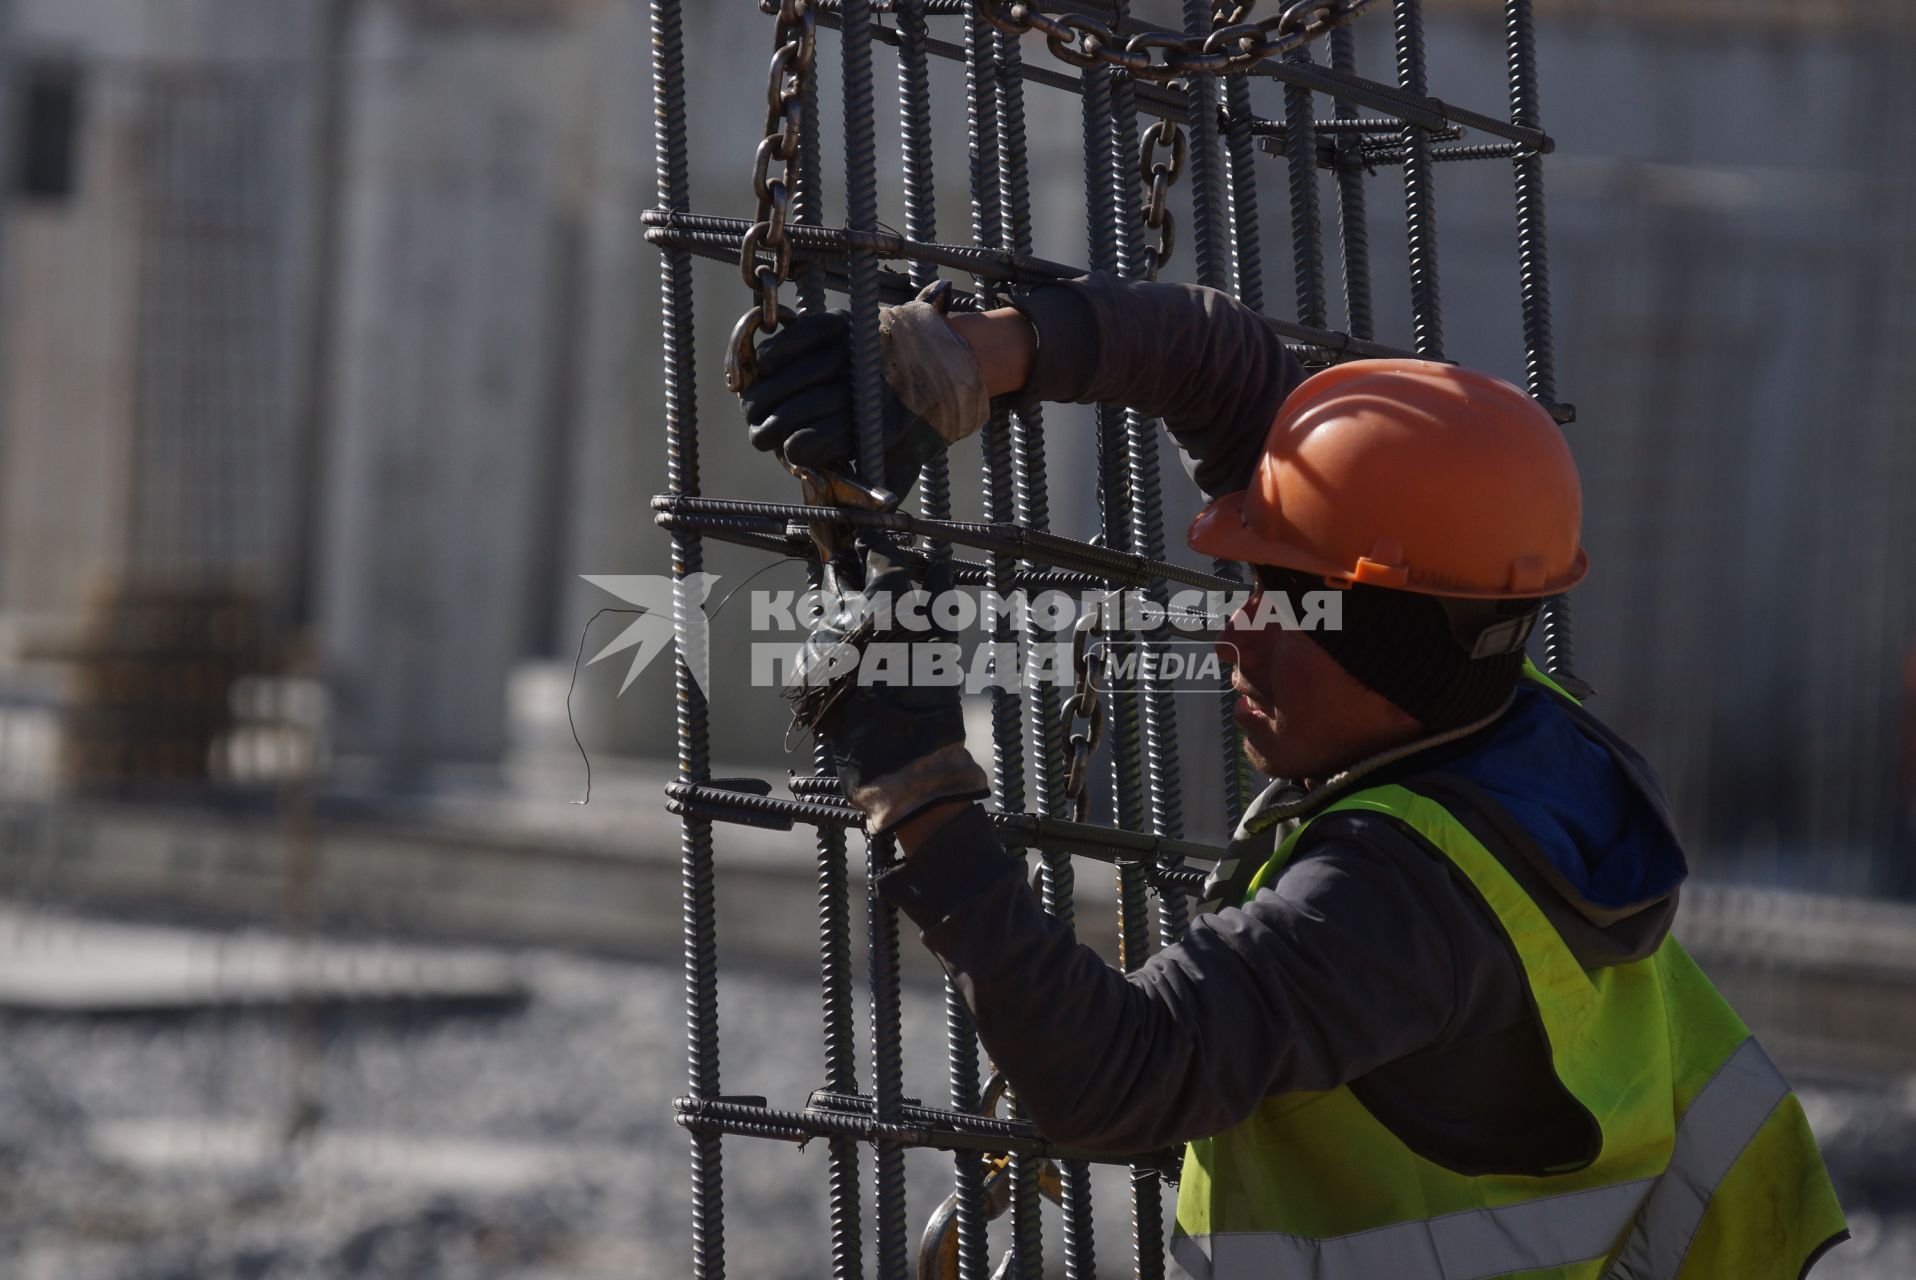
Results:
x,y
1535,1235
1714,1131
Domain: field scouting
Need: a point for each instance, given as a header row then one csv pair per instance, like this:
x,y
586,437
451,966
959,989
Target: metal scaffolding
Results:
x,y
1194,86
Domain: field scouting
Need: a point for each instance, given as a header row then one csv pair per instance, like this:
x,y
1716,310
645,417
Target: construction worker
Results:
x,y
1431,1023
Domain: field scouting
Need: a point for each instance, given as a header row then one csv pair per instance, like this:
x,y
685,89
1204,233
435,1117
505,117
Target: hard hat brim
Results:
x,y
1220,531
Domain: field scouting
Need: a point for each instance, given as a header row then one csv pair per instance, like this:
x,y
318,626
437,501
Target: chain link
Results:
x,y
1084,704
1158,175
1233,48
794,46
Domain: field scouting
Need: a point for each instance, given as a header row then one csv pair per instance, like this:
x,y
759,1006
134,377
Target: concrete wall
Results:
x,y
457,326
152,319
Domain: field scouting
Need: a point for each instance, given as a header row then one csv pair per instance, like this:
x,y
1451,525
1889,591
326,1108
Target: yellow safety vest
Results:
x,y
1707,1167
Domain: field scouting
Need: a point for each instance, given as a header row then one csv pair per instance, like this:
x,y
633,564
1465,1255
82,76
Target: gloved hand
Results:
x,y
899,746
801,404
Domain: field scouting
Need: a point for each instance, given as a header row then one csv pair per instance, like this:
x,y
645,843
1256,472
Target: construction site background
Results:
x,y
328,338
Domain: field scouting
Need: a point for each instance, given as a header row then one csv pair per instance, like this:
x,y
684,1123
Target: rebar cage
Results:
x,y
1194,87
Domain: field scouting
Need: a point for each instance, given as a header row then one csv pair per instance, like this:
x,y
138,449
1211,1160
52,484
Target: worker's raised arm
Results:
x,y
1340,967
1197,358
1207,365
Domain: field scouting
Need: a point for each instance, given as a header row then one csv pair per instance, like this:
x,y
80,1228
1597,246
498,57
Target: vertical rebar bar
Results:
x,y
1210,232
1353,219
861,214
1307,253
1420,199
1247,270
1144,526
921,223
808,200
1533,273
1046,737
680,384
1247,251
841,1048
834,886
1213,235
991,187
921,207
888,1067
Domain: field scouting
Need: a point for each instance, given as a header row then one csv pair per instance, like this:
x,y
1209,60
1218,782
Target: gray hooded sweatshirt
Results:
x,y
1369,962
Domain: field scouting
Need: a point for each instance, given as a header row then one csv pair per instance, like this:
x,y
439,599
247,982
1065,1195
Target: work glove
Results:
x,y
800,406
899,746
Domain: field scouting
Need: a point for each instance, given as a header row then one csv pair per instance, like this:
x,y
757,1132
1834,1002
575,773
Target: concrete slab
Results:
x,y
56,964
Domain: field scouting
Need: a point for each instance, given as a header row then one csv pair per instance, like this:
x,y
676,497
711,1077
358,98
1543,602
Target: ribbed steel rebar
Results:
x,y
861,214
808,200
1170,104
1146,742
680,383
1307,251
1046,736
1353,219
921,224
921,206
888,1066
1420,200
914,110
994,169
1210,236
1146,852
1000,472
1216,268
1533,248
1143,522
1241,152
841,1047
718,239
828,1113
1118,568
834,903
1248,281
1533,271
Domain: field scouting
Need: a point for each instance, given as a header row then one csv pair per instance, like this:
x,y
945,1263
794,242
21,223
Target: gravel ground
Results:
x,y
538,1143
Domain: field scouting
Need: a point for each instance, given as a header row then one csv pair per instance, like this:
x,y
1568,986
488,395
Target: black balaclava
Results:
x,y
1400,645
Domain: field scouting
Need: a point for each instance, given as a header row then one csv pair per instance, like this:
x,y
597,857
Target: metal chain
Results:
x,y
1084,704
1232,49
794,45
1158,175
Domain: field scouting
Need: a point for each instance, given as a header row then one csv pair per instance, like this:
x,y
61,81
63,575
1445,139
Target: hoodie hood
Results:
x,y
1572,811
1582,813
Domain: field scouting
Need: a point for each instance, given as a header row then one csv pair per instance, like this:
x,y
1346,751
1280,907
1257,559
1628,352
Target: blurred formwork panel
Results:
x,y
325,334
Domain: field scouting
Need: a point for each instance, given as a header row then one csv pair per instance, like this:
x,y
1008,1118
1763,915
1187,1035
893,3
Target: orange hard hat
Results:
x,y
1409,474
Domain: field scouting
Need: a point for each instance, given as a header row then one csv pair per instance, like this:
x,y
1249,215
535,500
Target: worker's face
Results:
x,y
1303,716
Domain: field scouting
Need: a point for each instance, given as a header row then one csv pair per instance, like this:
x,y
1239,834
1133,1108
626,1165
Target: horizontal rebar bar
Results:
x,y
782,538
1478,151
992,264
917,1126
1169,1158
719,239
1263,127
1159,100
1018,830
1277,143
1120,567
1414,109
